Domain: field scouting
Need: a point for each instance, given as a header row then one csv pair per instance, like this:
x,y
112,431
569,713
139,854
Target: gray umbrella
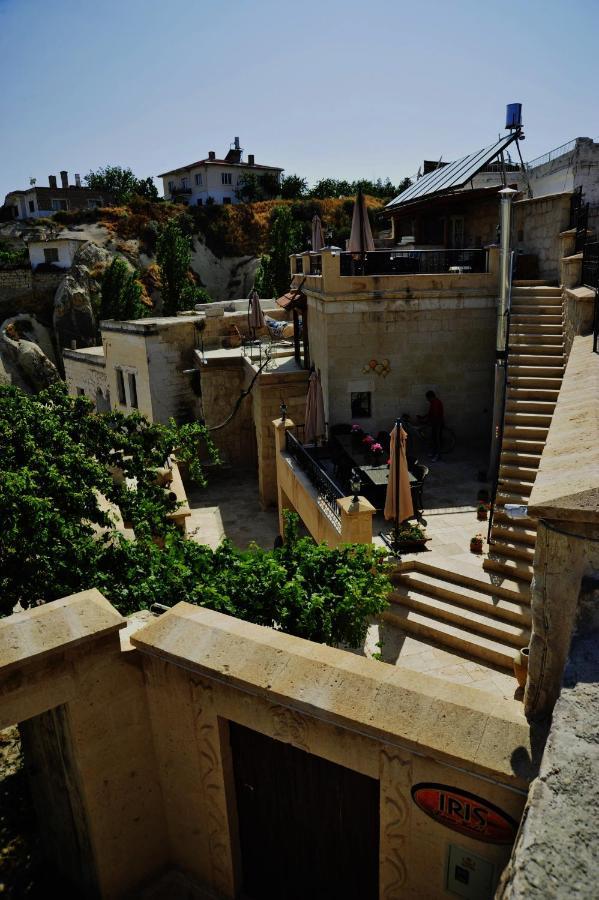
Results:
x,y
255,315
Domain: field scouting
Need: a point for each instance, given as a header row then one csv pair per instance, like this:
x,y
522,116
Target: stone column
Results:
x,y
356,520
283,502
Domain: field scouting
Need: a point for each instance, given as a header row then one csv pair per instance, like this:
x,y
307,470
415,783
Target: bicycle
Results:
x,y
448,438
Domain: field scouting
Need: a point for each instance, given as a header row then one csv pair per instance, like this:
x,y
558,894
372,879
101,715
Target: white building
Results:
x,y
214,180
39,201
57,251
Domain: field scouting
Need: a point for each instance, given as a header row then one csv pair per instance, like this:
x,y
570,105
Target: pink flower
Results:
x,y
356,429
368,439
376,448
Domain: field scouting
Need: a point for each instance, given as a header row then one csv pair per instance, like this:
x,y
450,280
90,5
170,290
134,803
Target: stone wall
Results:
x,y
537,225
82,371
579,305
222,382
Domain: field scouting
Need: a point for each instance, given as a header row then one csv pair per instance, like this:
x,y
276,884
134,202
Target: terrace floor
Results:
x,y
230,507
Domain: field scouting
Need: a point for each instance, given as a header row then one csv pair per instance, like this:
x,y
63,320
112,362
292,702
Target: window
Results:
x,y
198,178
184,183
120,386
31,206
132,390
225,177
226,199
60,204
200,201
171,186
80,392
94,204
50,254
361,407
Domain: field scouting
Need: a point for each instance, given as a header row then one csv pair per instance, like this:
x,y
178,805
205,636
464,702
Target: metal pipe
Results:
x,y
506,196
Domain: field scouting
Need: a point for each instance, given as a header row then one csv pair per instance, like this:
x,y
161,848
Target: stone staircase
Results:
x,y
535,370
485,614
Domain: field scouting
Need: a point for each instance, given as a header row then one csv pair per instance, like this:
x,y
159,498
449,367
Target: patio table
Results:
x,y
374,477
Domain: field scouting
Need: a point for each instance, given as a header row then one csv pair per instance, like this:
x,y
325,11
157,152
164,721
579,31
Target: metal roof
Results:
x,y
454,175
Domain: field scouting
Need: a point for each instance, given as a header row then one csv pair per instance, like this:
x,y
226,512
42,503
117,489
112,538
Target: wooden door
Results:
x,y
308,828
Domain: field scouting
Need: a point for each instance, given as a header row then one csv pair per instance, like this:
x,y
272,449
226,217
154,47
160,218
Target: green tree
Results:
x,y
121,292
248,188
284,238
173,254
293,187
121,183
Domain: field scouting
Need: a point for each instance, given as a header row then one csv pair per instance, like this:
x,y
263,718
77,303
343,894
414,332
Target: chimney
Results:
x,y
211,154
52,181
236,144
77,180
251,159
64,179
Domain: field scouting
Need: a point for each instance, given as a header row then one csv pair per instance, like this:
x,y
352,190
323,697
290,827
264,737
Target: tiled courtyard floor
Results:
x,y
230,507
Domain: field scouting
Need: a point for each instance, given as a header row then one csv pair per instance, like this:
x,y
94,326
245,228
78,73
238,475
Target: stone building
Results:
x,y
37,201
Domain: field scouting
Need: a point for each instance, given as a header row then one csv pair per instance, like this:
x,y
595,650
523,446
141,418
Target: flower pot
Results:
x,y
476,545
521,666
481,515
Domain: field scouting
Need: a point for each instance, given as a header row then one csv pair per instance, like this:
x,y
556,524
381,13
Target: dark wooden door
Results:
x,y
308,828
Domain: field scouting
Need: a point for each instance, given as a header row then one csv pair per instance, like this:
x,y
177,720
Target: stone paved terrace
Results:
x,y
230,507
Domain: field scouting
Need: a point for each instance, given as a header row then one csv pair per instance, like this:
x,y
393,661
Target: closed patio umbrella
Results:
x,y
317,239
399,479
360,239
315,426
255,315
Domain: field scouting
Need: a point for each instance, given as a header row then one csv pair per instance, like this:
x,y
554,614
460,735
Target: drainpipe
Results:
x,y
506,196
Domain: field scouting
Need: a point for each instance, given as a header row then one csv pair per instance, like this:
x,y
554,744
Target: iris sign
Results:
x,y
465,813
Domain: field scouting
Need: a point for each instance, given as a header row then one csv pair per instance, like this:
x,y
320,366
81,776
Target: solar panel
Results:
x,y
453,175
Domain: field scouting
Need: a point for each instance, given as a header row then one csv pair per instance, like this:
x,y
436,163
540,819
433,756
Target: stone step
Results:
x,y
539,361
535,376
469,576
529,282
541,290
416,596
530,318
512,457
517,326
526,433
529,348
519,404
503,566
514,534
528,339
522,418
523,445
500,517
527,309
511,549
443,634
518,473
516,612
532,393
505,496
514,486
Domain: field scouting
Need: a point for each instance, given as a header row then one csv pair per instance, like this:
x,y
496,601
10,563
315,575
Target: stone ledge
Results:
x,y
567,484
455,724
36,634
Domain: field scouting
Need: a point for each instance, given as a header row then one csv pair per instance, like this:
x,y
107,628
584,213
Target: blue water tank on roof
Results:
x,y
513,116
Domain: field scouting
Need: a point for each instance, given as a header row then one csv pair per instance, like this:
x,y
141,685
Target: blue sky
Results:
x,y
344,88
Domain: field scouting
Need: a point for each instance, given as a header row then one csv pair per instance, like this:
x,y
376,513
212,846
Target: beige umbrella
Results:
x,y
317,239
255,315
399,480
314,427
360,239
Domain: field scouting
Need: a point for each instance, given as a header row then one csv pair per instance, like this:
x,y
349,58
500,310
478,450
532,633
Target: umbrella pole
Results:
x,y
397,484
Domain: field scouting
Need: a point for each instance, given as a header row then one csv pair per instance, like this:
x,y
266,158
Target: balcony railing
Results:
x,y
590,279
413,262
181,190
328,492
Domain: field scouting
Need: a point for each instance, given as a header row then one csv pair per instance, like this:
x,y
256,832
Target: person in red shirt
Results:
x,y
435,417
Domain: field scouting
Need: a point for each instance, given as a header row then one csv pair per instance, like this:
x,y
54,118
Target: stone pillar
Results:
x,y
356,520
283,502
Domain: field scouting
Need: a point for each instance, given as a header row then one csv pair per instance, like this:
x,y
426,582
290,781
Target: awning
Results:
x,y
292,300
453,176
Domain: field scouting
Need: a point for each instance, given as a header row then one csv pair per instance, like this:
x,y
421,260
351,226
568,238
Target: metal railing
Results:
x,y
553,154
590,279
328,492
412,262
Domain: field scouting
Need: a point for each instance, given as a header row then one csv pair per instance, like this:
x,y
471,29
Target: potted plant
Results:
x,y
483,496
356,435
476,543
481,512
411,537
377,452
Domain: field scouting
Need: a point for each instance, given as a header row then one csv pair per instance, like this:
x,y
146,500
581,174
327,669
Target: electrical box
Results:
x,y
513,116
469,875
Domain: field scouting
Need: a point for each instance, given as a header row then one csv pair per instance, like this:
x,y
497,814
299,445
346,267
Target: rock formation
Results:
x,y
27,357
